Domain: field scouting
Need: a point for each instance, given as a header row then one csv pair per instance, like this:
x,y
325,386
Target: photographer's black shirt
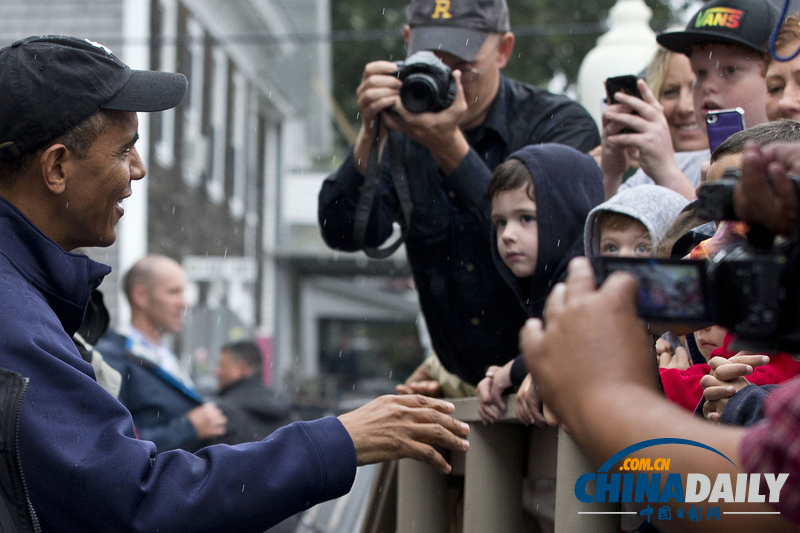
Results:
x,y
473,316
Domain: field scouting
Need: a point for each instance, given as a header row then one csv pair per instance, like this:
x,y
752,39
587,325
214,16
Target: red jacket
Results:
x,y
683,386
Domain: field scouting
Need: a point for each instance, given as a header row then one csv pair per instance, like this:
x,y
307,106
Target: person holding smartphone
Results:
x,y
656,127
728,63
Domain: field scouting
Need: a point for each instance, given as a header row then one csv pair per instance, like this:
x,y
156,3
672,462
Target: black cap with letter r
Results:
x,y
458,27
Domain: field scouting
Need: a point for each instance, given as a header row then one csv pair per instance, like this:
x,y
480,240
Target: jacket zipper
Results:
x,y
17,411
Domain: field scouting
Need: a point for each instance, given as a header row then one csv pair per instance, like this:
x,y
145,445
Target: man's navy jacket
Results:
x,y
83,465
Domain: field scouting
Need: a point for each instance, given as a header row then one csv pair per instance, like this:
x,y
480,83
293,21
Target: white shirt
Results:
x,y
159,354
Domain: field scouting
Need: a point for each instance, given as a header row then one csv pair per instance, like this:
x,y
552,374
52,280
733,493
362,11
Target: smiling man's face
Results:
x,y
92,199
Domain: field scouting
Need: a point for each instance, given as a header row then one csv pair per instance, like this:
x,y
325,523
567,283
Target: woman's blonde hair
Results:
x,y
657,71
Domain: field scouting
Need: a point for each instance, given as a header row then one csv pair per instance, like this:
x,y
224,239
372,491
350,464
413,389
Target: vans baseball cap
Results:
x,y
52,83
458,27
745,22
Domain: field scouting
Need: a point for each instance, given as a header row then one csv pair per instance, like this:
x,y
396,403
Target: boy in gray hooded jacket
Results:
x,y
632,222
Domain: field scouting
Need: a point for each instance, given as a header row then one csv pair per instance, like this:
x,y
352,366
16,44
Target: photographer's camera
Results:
x,y
428,84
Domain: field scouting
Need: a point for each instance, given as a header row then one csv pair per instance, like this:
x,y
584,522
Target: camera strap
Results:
x,y
366,197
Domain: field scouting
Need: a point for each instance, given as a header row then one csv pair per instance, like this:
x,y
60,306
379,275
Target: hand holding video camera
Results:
x,y
765,194
751,288
420,97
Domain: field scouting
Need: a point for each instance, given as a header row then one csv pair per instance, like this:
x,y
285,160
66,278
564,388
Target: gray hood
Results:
x,y
652,205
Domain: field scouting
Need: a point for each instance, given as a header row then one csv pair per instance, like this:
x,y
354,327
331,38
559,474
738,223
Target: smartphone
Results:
x,y
671,291
625,84
722,123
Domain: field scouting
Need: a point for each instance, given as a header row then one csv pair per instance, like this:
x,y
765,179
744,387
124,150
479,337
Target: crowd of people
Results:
x,y
506,198
535,208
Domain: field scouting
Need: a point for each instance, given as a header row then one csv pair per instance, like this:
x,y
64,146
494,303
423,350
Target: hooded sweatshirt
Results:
x,y
656,207
567,185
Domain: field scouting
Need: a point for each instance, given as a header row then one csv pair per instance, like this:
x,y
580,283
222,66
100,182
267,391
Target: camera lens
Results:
x,y
712,119
419,93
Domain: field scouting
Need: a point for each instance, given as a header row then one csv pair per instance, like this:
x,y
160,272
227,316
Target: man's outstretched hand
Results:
x,y
409,426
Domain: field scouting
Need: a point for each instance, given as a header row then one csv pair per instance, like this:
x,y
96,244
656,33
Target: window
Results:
x,y
195,144
219,118
165,148
240,129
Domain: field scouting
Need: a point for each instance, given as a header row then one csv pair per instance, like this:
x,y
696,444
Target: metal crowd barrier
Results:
x,y
484,492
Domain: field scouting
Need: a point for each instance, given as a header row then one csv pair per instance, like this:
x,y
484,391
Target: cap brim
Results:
x,y
460,42
682,41
148,91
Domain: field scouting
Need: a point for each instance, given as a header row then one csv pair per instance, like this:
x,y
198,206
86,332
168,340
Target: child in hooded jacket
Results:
x,y
632,222
540,199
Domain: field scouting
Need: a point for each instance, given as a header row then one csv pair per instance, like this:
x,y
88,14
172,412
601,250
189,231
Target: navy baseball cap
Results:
x,y
459,27
52,83
744,22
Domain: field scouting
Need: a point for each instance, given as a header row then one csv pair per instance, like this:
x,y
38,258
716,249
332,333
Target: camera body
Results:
x,y
752,288
755,286
750,291
428,84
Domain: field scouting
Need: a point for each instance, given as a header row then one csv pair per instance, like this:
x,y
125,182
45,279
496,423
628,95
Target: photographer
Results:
x,y
448,157
614,403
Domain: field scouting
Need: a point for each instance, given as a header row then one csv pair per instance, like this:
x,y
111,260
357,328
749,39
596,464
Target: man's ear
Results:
x,y
139,296
406,33
504,49
54,166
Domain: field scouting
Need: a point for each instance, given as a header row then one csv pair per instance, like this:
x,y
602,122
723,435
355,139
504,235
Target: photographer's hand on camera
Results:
x,y
650,137
440,132
378,91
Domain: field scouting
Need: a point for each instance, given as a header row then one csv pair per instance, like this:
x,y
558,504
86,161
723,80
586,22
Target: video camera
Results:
x,y
428,84
750,288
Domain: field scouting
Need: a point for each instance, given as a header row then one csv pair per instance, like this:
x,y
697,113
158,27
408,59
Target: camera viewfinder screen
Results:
x,y
669,290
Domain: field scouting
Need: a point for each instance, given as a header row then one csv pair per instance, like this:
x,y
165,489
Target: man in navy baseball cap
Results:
x,y
68,131
50,84
74,462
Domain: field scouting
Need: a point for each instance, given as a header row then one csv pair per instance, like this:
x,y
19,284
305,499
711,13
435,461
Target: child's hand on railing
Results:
x,y
490,393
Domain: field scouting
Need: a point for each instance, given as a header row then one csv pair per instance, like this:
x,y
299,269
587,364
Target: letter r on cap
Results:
x,y
442,10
